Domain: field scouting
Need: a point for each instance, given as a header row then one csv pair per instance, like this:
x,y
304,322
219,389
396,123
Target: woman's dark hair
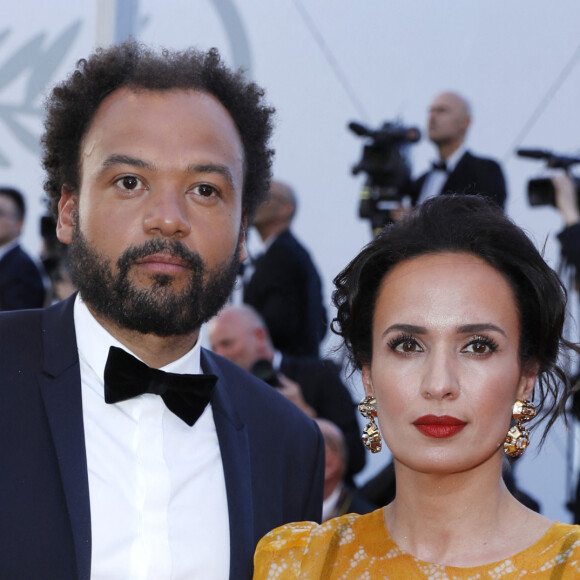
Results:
x,y
72,105
469,224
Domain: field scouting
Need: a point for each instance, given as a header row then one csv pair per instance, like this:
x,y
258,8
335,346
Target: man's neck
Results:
x,y
268,231
447,149
155,351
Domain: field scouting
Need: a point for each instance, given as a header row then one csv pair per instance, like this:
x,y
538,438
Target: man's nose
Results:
x,y
166,214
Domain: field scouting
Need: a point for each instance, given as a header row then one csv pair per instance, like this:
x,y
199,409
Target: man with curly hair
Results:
x,y
128,450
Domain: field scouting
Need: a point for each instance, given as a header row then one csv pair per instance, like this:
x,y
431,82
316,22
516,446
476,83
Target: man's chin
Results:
x,y
144,282
152,318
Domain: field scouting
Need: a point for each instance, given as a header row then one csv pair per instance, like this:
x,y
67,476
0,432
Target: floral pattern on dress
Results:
x,y
354,547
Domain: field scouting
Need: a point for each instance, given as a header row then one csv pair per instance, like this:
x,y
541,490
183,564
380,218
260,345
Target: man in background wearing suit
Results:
x,y
456,170
339,496
21,284
239,334
285,287
120,459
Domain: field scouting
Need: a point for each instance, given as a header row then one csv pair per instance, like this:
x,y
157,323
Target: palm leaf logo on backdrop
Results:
x,y
39,64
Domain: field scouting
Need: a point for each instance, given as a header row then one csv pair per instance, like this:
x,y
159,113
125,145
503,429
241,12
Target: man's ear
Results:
x,y
261,333
334,468
466,123
19,226
367,382
527,382
243,230
67,208
286,211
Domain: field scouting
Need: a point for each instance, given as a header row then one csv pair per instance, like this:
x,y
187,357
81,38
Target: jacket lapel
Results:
x,y
61,391
235,452
60,385
456,182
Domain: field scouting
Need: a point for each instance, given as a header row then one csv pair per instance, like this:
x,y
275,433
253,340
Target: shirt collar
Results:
x,y
452,161
94,341
330,503
277,360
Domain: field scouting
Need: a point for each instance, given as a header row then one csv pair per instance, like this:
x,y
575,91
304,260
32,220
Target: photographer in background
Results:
x,y
339,496
285,287
21,284
566,199
389,190
456,170
239,334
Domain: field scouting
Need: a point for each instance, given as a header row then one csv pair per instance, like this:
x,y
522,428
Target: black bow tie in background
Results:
x,y
127,377
439,165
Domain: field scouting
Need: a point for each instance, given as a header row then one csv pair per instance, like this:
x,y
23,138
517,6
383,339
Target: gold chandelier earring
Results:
x,y
518,437
371,436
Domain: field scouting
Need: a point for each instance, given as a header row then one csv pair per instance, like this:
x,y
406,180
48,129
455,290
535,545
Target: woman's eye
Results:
x,y
406,345
481,346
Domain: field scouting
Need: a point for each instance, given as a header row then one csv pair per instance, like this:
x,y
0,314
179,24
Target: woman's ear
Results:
x,y
367,382
528,381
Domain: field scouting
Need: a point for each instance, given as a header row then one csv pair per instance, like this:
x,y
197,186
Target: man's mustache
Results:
x,y
172,248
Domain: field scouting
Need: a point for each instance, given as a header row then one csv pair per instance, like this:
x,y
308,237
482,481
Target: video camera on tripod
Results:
x,y
385,162
541,190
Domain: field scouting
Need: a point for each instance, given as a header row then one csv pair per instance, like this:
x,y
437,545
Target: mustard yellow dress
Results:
x,y
354,547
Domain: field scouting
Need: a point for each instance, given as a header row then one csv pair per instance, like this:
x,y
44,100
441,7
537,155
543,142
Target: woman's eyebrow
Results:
x,y
481,327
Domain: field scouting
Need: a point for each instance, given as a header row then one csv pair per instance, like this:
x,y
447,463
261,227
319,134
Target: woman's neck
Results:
x,y
465,519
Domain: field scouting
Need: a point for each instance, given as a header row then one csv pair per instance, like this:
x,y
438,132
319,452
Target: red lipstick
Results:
x,y
439,427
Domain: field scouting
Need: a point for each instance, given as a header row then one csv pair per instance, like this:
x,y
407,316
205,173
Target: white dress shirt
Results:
x,y
156,485
436,178
330,503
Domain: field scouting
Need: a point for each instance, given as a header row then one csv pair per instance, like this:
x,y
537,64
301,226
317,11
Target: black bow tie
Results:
x,y
439,165
127,377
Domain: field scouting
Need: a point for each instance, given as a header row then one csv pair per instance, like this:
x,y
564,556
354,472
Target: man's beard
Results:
x,y
159,309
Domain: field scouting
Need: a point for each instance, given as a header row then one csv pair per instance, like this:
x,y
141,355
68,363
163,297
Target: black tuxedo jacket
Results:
x,y
570,245
325,392
272,454
286,290
472,175
20,281
351,501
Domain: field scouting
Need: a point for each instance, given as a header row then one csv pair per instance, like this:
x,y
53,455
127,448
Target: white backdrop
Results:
x,y
325,63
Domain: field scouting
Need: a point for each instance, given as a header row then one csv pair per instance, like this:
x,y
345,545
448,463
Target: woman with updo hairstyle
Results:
x,y
455,322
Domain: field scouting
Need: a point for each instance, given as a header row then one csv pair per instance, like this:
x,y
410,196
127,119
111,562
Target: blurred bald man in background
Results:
x,y
340,497
239,334
285,287
456,170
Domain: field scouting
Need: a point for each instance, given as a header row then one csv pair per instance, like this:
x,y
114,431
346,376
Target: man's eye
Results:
x,y
129,182
205,190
